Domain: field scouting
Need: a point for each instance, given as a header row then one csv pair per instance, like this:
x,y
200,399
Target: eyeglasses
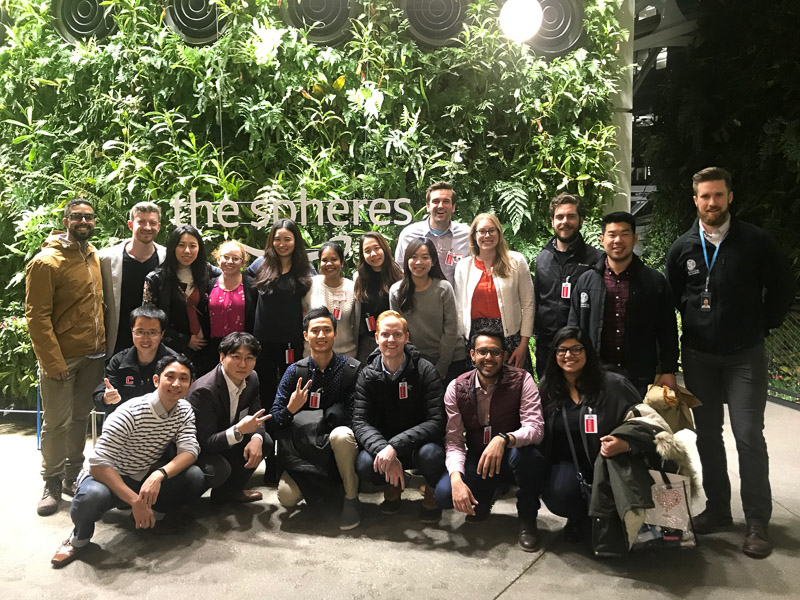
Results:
x,y
82,216
232,258
495,352
149,333
487,232
247,358
573,350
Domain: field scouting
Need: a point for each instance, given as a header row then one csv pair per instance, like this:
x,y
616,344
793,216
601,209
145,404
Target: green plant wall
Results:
x,y
263,114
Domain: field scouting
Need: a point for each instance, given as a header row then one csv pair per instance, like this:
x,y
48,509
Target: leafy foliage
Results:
x,y
263,114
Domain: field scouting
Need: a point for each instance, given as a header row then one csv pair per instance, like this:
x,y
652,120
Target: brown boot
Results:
x,y
430,513
51,497
756,542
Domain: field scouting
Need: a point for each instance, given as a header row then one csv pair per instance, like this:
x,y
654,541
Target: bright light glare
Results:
x,y
521,19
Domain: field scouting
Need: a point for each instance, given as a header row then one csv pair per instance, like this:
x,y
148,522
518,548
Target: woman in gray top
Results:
x,y
427,301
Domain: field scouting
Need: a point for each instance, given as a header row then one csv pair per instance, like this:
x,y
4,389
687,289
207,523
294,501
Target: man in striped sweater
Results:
x,y
128,465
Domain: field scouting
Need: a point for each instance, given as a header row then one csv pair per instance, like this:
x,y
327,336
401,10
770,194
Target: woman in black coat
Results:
x,y
179,287
593,401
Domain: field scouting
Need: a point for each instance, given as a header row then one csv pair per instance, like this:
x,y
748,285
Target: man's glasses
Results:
x,y
148,333
82,216
573,350
495,352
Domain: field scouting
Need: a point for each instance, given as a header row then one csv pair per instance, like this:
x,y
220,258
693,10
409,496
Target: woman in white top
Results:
x,y
426,300
495,284
330,289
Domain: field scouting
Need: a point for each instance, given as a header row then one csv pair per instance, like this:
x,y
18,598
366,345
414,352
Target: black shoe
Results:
x,y
482,512
528,535
69,487
710,522
574,530
391,507
430,515
756,542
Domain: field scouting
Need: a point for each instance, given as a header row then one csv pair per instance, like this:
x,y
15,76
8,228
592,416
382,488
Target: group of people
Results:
x,y
421,362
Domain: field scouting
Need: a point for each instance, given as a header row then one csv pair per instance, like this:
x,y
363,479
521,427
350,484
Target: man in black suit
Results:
x,y
230,420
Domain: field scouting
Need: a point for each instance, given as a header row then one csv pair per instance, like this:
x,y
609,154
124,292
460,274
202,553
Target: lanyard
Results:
x,y
705,254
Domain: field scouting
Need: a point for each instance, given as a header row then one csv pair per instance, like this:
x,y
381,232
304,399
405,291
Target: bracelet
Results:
x,y
163,472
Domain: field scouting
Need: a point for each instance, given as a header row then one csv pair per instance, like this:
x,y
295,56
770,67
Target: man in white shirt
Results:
x,y
128,466
450,238
230,420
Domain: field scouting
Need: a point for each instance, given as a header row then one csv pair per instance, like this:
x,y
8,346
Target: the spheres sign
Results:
x,y
342,213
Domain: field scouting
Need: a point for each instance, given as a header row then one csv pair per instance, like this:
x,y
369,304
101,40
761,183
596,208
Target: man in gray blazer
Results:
x,y
124,268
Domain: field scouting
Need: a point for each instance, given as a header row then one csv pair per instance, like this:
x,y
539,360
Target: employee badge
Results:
x,y
705,302
403,390
566,289
590,423
313,400
487,434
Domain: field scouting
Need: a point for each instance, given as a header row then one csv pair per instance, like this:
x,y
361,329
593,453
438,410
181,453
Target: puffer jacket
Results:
x,y
64,302
381,418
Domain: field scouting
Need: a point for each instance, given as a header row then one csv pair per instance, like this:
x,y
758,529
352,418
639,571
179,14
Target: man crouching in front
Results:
x,y
128,466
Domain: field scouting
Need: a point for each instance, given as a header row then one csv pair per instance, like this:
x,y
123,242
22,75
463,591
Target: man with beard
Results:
x,y
64,310
558,266
625,308
494,418
124,268
731,284
450,238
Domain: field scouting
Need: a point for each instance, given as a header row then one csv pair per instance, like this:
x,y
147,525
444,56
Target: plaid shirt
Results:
x,y
612,342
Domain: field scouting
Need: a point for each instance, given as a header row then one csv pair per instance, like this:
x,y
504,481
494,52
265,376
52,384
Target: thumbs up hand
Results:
x,y
111,395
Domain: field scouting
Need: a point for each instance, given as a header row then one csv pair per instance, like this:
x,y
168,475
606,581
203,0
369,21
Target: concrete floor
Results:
x,y
263,551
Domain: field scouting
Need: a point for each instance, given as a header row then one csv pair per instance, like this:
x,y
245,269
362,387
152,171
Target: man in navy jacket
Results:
x,y
626,309
732,284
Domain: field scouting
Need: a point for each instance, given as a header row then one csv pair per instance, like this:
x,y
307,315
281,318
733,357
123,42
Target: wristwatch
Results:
x,y
505,437
237,435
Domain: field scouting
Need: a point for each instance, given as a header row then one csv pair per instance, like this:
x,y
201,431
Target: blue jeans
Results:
x,y
740,381
524,467
428,458
93,498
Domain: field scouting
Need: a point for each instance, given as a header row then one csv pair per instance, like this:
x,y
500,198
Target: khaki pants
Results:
x,y
65,412
344,447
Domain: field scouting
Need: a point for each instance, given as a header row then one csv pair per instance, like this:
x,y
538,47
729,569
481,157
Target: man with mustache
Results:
x,y
563,259
64,310
732,284
626,309
450,238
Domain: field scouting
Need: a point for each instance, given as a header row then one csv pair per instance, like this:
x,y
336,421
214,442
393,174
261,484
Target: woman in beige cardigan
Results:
x,y
495,284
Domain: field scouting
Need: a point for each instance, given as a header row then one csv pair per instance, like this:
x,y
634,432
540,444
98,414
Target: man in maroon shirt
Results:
x,y
625,308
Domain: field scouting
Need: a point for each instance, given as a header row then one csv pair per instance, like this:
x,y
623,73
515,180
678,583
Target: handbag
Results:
x,y
584,484
669,523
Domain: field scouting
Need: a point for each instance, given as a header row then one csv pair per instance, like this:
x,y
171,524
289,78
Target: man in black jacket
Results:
x,y
626,309
399,418
230,420
558,266
129,374
732,284
311,416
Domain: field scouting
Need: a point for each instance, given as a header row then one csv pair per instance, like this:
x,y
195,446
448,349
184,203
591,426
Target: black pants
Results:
x,y
225,470
740,381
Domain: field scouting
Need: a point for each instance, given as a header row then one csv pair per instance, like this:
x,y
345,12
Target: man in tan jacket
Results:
x,y
64,310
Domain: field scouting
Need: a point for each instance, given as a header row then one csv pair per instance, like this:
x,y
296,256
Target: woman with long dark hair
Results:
x,y
283,279
494,287
179,287
584,402
375,274
427,302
